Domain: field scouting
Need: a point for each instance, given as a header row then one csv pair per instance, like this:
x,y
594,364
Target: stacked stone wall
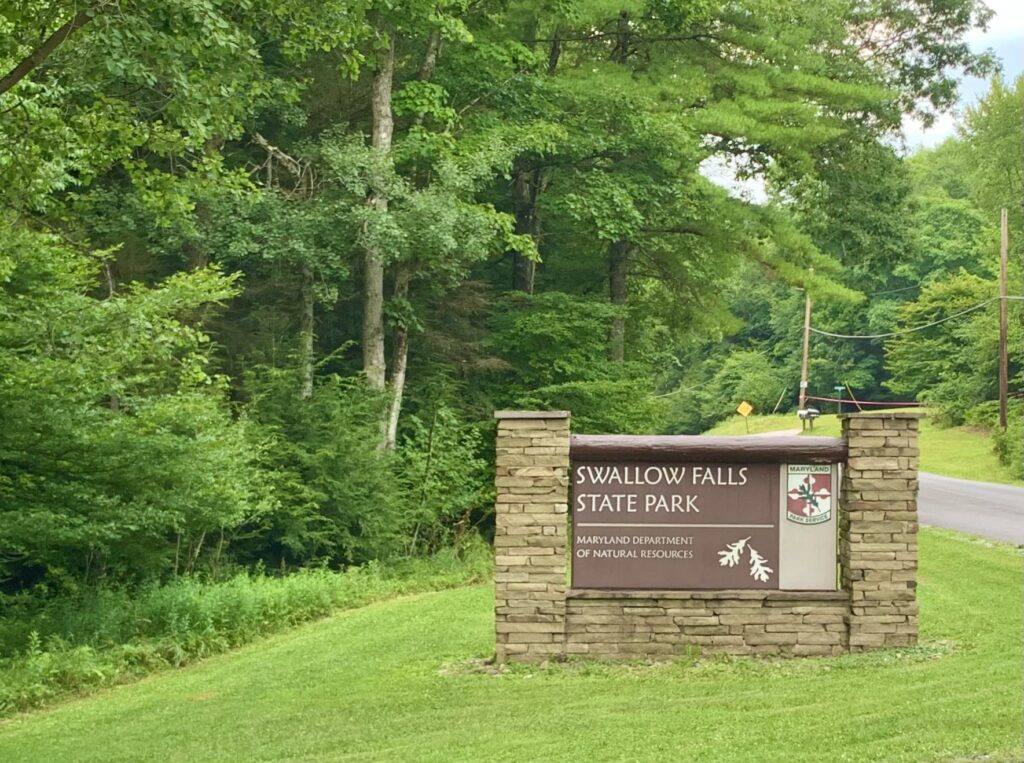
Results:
x,y
878,528
532,484
641,624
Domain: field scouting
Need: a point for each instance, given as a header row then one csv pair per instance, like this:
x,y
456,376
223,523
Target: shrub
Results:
x,y
1009,444
121,457
744,375
447,484
338,499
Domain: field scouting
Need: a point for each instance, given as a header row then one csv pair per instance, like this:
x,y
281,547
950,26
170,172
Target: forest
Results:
x,y
267,267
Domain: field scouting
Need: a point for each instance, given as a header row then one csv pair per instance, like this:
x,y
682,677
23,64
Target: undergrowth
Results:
x,y
104,637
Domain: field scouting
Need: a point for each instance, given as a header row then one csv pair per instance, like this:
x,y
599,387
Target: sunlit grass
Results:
x,y
962,452
375,684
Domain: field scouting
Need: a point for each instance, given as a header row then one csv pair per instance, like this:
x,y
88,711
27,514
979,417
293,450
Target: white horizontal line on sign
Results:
x,y
652,524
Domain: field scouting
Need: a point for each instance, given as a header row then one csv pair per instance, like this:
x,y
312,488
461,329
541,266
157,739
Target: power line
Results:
x,y
682,389
915,328
896,291
883,403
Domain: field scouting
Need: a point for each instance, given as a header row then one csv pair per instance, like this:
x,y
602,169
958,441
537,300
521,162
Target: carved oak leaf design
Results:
x,y
731,556
759,569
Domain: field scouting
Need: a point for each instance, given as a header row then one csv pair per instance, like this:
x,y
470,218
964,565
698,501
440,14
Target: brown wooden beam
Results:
x,y
701,448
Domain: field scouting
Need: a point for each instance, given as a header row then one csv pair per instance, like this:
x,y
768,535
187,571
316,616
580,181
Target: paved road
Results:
x,y
980,508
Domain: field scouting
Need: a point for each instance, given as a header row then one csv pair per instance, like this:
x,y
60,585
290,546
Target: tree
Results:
x,y
429,211
995,152
952,364
118,456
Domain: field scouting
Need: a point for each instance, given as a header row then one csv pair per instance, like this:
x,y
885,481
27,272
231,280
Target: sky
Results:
x,y
1005,36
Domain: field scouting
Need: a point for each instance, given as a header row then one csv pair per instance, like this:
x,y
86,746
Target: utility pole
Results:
x,y
1004,368
802,405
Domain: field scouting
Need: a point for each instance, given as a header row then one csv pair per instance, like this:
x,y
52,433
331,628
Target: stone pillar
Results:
x,y
532,483
878,528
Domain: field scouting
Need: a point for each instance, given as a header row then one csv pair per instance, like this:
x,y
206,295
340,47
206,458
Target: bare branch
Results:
x,y
40,54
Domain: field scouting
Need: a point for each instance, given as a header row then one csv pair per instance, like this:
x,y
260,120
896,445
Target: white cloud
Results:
x,y
1004,35
1008,23
720,171
916,135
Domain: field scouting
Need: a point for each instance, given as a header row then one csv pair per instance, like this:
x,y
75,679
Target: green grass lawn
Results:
x,y
368,685
825,426
952,451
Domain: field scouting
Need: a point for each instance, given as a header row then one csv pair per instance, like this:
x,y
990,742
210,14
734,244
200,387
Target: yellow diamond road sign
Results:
x,y
745,409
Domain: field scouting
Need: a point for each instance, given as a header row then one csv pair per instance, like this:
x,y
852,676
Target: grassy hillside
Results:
x,y
961,452
370,685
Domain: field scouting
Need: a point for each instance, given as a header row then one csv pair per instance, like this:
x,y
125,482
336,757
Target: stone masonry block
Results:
x,y
531,502
878,506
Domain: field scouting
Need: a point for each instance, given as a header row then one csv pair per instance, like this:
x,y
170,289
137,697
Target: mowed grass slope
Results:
x,y
962,452
366,685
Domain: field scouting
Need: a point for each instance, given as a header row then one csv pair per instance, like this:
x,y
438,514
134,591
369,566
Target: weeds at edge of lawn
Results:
x,y
187,620
1016,549
693,664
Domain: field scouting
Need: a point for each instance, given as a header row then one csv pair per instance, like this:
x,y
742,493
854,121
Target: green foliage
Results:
x,y
447,483
948,235
1008,444
952,364
555,348
991,132
552,338
116,438
943,170
748,376
191,196
339,499
603,406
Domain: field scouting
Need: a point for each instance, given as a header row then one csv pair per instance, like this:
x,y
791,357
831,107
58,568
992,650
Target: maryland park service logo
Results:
x,y
809,493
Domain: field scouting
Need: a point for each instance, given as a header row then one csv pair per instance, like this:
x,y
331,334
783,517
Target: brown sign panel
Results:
x,y
660,525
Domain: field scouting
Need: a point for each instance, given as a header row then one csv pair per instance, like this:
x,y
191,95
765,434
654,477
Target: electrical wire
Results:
x,y
895,291
915,328
883,403
681,389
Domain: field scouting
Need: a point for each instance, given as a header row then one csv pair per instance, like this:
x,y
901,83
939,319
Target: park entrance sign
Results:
x,y
783,545
681,526
681,513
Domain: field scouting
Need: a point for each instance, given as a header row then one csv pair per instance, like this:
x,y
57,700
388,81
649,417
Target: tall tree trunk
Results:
x,y
403,276
373,268
527,187
304,188
40,54
306,334
430,57
108,275
623,38
195,249
618,266
399,362
555,52
196,255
